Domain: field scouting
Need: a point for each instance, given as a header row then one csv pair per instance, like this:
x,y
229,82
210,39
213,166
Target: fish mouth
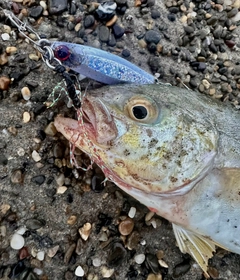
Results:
x,y
98,120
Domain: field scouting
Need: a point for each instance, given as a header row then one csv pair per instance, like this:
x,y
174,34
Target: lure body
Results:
x,y
99,65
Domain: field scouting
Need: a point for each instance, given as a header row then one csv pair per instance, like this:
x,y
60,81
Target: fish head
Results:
x,y
143,139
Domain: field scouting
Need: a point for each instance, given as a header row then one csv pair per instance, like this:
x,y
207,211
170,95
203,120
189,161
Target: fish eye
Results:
x,y
140,112
142,109
62,53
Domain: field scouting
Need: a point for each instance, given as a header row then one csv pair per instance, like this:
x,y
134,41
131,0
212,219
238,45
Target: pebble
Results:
x,y
106,11
26,93
96,262
17,176
112,21
26,117
89,21
4,83
61,189
11,50
132,212
126,226
69,252
50,129
34,224
17,241
21,230
140,258
85,231
35,156
4,209
5,36
52,251
36,12
79,271
118,31
3,58
152,276
104,33
181,269
40,255
106,272
72,220
116,255
152,36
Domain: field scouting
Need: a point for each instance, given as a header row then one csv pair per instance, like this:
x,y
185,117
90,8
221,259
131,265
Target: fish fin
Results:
x,y
198,246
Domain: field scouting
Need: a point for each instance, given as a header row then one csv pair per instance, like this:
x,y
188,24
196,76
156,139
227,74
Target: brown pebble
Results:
x,y
4,208
23,253
112,21
4,83
13,130
11,217
213,272
69,253
160,254
3,59
11,50
50,129
17,177
72,220
126,226
36,263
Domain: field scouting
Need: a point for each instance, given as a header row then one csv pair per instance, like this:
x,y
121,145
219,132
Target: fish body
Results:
x,y
99,65
174,150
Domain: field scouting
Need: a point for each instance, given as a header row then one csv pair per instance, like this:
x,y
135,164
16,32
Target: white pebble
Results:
x,y
60,180
132,212
3,231
107,272
38,271
43,4
61,190
40,255
17,241
96,262
21,230
26,93
5,36
79,271
139,259
21,152
35,156
26,117
143,242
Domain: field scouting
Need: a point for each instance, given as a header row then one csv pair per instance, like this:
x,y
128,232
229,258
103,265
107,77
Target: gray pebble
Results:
x,y
57,6
237,70
152,36
36,12
212,20
121,2
104,33
89,21
34,224
188,29
232,13
155,14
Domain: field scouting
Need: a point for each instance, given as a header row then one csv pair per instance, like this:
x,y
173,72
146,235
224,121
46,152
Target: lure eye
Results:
x,y
62,53
142,109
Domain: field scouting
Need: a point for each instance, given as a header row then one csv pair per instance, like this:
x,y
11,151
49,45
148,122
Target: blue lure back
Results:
x,y
99,65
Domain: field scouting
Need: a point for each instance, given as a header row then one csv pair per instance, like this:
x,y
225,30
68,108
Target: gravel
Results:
x,y
74,227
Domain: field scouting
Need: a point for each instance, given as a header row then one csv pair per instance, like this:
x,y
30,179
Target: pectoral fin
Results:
x,y
199,247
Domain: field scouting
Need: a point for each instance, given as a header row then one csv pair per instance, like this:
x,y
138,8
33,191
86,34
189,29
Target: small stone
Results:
x,y
26,117
106,272
43,4
3,58
163,263
232,13
152,36
155,14
206,84
96,262
34,224
106,10
72,220
116,255
152,276
17,241
23,253
17,176
118,31
39,179
139,259
50,129
4,83
126,226
11,50
69,253
33,56
61,190
126,53
89,21
26,93
36,12
35,156
104,33
21,230
213,272
132,212
112,21
79,271
40,255
85,231
4,208
52,251
5,36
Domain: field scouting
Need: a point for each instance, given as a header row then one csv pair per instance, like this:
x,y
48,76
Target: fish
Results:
x,y
175,150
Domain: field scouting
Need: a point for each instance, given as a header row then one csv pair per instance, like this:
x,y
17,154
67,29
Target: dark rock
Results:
x,y
171,17
152,36
116,255
152,47
105,11
126,53
97,184
213,48
39,179
193,83
112,41
152,263
104,33
188,29
17,76
155,14
118,31
89,21
57,6
212,20
222,70
58,150
121,2
181,269
34,224
232,13
173,10
36,12
150,3
3,159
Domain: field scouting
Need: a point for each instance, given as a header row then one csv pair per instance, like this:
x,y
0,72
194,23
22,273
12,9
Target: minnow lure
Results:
x,y
99,65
